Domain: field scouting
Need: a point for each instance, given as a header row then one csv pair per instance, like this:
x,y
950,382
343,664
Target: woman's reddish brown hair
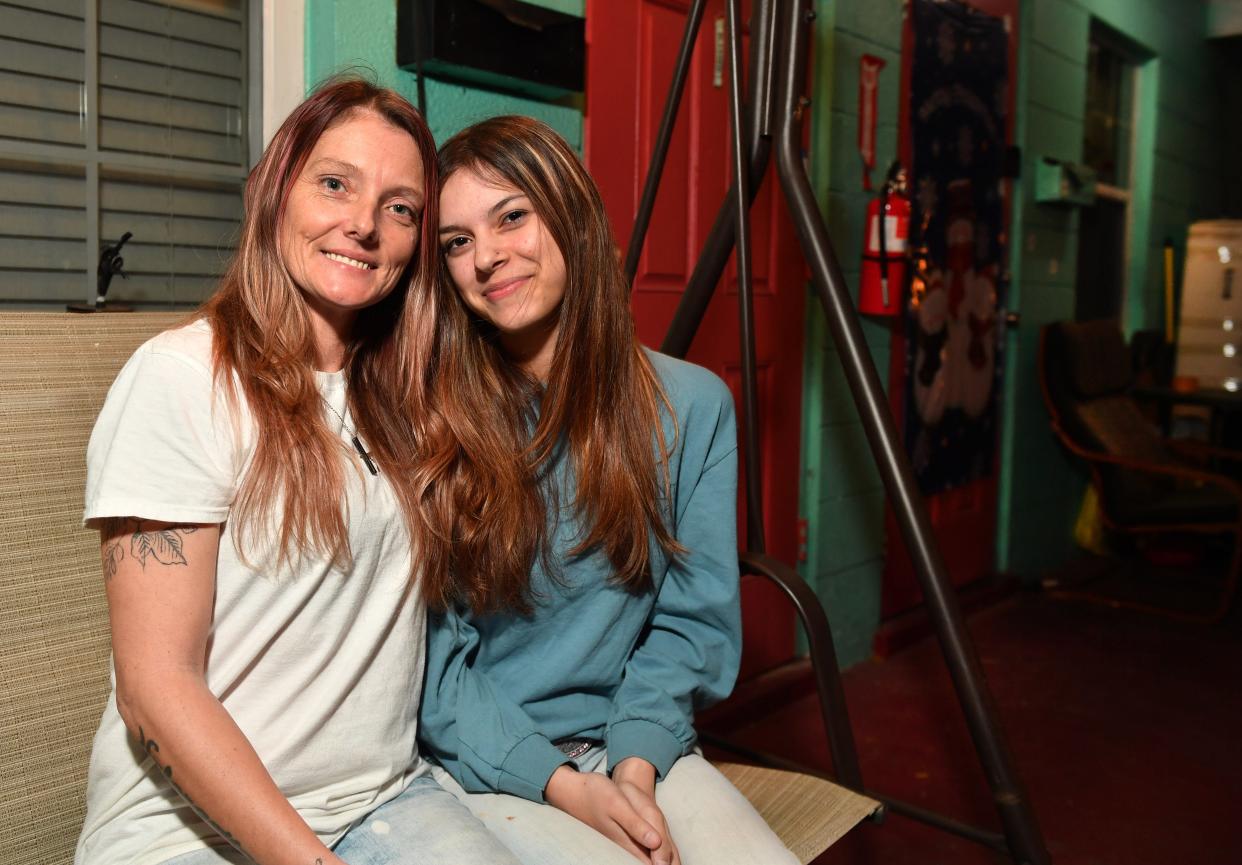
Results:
x,y
290,499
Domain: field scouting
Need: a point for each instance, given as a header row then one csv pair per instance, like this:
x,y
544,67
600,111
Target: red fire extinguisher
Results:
x,y
884,250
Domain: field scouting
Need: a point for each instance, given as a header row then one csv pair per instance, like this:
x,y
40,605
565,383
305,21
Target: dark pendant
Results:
x,y
366,457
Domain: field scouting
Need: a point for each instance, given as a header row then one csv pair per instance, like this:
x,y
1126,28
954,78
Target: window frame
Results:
x,y
94,163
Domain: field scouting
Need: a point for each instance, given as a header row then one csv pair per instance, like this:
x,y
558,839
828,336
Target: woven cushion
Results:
x,y
56,369
808,813
1097,360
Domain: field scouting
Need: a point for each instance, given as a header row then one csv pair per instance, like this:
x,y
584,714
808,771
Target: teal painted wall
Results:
x,y
1185,169
842,497
341,34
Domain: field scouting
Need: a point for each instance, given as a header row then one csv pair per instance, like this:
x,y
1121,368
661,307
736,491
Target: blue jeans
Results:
x,y
710,821
425,825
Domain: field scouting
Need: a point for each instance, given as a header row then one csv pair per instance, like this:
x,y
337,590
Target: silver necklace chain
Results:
x,y
353,438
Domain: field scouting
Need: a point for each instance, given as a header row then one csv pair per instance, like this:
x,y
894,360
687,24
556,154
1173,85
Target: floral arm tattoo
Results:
x,y
165,545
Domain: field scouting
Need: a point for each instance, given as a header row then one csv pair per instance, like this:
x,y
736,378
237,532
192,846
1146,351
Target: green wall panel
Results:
x,y
1059,78
849,533
1060,26
852,600
1053,132
361,34
878,21
842,497
1183,169
1176,179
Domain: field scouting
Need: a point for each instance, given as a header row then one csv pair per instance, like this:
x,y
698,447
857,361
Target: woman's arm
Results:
x,y
160,582
689,653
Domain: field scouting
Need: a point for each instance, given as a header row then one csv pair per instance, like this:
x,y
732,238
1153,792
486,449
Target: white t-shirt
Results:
x,y
321,669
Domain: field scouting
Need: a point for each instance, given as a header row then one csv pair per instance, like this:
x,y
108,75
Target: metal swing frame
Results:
x,y
771,120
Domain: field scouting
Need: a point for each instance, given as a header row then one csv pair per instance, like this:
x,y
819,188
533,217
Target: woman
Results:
x,y
247,477
580,509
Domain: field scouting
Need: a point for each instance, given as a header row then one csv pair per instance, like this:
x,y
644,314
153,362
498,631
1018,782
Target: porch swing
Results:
x,y
54,642
809,809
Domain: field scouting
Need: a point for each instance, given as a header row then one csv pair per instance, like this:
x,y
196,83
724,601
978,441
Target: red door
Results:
x,y
963,514
632,48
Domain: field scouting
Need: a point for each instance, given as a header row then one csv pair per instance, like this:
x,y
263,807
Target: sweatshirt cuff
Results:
x,y
639,738
527,768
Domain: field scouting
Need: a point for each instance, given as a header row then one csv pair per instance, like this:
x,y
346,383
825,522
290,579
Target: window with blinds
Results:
x,y
121,116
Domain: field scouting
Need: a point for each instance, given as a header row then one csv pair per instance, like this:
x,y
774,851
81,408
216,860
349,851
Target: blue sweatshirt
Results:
x,y
594,661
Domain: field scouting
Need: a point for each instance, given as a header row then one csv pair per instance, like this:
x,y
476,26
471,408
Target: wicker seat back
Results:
x,y
54,647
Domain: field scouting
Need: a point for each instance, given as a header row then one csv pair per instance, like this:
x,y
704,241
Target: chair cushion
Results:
x,y
1143,498
1097,360
809,814
1118,427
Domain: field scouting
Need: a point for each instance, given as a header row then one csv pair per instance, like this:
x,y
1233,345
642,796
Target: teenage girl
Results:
x,y
580,521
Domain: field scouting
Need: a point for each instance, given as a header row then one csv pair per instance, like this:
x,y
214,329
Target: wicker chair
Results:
x,y
54,642
1146,484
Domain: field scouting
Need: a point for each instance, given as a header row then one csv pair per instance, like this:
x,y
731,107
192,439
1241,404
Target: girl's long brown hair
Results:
x,y
290,498
486,485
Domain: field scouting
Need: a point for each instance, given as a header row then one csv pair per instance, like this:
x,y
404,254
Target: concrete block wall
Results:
x,y
1189,128
1184,168
842,497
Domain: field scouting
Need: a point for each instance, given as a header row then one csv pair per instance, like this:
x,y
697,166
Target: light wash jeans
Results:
x,y
425,825
710,821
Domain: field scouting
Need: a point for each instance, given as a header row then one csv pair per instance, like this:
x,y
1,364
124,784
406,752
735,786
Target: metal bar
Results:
x,y
745,292
986,837
253,108
823,662
719,243
765,75
1024,838
646,204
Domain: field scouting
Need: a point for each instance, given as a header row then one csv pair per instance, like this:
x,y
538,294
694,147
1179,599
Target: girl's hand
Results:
x,y
598,802
635,778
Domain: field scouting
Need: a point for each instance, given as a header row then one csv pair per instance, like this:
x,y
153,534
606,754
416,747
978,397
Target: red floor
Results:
x,y
1126,729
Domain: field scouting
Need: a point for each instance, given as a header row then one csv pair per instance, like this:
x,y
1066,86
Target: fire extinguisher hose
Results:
x,y
883,230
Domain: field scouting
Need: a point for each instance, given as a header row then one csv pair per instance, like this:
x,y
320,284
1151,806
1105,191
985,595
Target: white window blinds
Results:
x,y
116,116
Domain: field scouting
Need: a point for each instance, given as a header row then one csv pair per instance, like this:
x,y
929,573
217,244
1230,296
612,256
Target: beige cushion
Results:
x,y
808,813
55,369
